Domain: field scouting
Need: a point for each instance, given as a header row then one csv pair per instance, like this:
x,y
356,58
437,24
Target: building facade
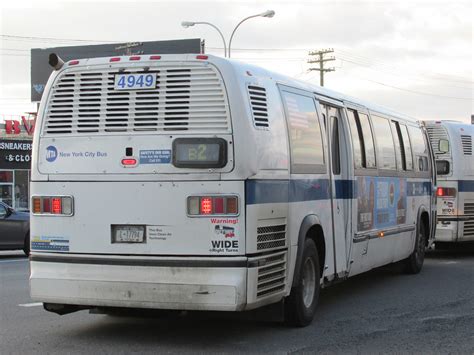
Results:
x,y
15,162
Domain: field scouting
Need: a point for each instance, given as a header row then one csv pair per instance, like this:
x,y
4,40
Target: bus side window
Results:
x,y
356,135
399,150
385,145
420,150
306,144
363,141
406,144
368,140
336,165
323,111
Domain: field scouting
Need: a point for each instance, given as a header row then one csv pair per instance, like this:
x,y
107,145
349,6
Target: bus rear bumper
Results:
x,y
157,284
446,230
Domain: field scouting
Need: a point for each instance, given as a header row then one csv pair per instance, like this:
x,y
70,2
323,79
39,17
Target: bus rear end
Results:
x,y
134,190
452,145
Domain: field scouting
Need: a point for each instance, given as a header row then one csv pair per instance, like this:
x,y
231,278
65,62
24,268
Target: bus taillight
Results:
x,y
206,205
446,192
52,205
213,205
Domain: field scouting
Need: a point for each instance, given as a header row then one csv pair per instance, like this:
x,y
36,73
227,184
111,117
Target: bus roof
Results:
x,y
242,67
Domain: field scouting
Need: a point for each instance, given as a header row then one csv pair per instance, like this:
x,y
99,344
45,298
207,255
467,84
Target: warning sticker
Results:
x,y
160,156
50,243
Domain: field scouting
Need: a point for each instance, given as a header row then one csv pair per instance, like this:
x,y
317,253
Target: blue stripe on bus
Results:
x,y
280,191
419,188
345,189
466,185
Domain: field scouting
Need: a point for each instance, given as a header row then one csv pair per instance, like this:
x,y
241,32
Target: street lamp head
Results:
x,y
187,24
268,13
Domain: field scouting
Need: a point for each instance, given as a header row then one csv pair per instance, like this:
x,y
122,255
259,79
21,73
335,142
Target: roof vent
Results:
x,y
466,142
258,101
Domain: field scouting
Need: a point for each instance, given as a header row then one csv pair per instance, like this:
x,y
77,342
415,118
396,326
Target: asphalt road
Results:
x,y
381,311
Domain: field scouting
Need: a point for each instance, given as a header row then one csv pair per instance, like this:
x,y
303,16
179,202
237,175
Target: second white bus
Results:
x,y
193,182
452,146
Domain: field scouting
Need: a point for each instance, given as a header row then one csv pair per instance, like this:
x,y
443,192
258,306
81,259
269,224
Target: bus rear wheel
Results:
x,y
300,305
414,263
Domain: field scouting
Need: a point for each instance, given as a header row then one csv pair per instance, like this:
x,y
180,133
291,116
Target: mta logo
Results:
x,y
51,153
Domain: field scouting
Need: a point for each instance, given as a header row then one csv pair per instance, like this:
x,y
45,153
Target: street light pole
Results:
x,y
268,13
187,24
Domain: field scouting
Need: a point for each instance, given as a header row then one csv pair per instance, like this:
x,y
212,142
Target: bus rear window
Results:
x,y
199,153
442,167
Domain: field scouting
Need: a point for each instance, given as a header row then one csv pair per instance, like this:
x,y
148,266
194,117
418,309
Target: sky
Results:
x,y
414,57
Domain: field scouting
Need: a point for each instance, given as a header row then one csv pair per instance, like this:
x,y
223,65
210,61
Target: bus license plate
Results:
x,y
135,81
128,234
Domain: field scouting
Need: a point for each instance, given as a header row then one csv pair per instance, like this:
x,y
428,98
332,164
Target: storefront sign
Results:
x,y
15,127
15,154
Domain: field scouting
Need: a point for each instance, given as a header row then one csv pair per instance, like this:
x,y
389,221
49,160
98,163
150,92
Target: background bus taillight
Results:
x,y
212,205
52,205
446,192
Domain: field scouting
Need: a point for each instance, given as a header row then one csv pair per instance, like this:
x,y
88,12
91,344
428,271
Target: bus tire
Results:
x,y
414,263
26,245
300,305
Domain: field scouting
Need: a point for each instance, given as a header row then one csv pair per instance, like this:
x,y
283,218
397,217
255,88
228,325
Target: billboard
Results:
x,y
41,70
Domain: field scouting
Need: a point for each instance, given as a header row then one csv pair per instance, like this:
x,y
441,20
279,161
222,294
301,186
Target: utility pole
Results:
x,y
320,54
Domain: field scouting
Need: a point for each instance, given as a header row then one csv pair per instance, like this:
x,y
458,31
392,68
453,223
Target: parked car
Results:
x,y
14,229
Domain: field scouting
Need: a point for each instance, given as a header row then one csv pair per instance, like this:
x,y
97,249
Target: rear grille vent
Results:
x,y
435,133
469,225
466,142
271,237
271,274
188,98
258,101
469,208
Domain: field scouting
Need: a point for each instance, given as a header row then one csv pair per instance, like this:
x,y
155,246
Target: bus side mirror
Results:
x,y
443,146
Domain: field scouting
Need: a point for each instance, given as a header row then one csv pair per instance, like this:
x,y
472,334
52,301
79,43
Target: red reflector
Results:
x,y
218,205
155,57
135,58
206,205
115,59
202,57
56,203
73,62
129,161
46,205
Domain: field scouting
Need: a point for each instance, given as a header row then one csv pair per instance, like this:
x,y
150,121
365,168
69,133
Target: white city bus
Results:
x,y
192,182
452,146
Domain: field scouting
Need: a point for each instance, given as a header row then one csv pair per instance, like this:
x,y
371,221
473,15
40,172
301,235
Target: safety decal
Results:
x,y
155,156
50,243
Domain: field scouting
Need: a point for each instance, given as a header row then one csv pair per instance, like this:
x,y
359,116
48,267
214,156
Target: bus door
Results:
x,y
340,185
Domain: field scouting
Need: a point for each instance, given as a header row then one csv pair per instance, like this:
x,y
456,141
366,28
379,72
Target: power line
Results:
x,y
398,74
33,38
373,61
414,91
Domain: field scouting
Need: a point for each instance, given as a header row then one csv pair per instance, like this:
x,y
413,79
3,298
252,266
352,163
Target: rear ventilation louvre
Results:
x,y
466,142
188,98
469,224
435,133
271,274
271,237
258,101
